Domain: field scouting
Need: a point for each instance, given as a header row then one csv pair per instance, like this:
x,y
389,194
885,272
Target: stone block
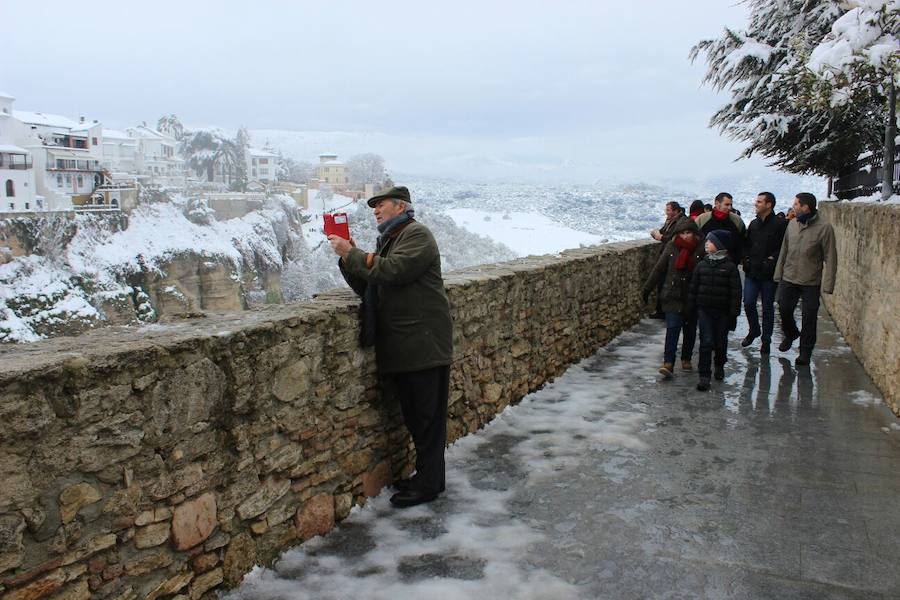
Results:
x,y
41,588
74,498
204,562
148,562
315,517
204,583
268,493
151,535
11,548
240,557
375,480
194,521
94,545
76,591
170,586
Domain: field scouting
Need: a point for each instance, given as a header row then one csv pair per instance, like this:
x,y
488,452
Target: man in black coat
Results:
x,y
761,248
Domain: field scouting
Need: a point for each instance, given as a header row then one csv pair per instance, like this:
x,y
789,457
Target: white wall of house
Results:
x,y
18,190
262,165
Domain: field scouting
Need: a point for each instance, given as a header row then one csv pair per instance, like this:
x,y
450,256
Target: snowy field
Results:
x,y
523,233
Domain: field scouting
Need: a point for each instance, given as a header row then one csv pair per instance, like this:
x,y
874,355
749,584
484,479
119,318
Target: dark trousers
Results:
x,y
789,294
676,326
714,325
753,289
423,402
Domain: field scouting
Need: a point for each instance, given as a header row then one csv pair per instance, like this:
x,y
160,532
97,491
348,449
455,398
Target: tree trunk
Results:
x,y
890,132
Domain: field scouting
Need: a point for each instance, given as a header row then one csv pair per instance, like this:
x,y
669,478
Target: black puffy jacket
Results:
x,y
716,284
762,246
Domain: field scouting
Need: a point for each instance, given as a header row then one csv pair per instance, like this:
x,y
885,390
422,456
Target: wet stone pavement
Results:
x,y
611,483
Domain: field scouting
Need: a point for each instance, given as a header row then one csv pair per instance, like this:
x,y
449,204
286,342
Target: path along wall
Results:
x,y
171,460
866,300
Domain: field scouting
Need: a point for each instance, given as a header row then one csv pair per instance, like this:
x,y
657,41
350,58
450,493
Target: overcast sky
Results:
x,y
591,90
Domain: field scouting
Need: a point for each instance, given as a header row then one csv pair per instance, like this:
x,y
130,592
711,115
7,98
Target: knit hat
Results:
x,y
686,225
720,238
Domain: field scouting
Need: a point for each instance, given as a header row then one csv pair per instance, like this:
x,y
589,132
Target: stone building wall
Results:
x,y
866,300
166,462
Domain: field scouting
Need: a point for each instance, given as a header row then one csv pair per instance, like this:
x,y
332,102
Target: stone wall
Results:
x,y
867,291
169,461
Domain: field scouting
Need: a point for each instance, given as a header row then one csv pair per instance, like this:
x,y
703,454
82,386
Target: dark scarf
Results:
x,y
685,259
391,225
803,219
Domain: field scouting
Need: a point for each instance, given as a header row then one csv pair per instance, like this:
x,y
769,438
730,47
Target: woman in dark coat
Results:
x,y
674,269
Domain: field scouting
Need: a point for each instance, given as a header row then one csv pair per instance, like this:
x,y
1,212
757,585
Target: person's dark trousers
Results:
x,y
423,402
753,289
789,294
678,326
713,338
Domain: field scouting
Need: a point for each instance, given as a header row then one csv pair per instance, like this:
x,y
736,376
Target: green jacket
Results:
x,y
413,330
804,249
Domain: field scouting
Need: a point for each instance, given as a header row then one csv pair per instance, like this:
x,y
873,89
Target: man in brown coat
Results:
x,y
808,243
401,284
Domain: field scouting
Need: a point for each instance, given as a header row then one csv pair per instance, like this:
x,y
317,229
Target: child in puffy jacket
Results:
x,y
715,294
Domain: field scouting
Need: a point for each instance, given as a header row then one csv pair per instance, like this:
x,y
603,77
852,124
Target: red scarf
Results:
x,y
685,259
696,213
720,215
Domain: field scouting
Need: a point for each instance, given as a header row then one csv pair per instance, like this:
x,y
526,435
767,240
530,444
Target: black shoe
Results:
x,y
802,361
411,498
658,315
720,373
749,339
403,485
786,343
406,485
764,348
703,385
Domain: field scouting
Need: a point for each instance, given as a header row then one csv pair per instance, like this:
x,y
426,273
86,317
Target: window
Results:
x,y
1,160
264,161
12,206
10,188
27,206
59,181
80,181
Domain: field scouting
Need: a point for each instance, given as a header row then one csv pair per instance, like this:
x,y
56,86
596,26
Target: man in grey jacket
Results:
x,y
806,267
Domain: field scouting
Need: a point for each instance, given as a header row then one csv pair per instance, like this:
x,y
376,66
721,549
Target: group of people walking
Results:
x,y
786,258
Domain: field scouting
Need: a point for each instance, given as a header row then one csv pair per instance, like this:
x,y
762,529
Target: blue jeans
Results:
x,y
713,337
677,325
753,288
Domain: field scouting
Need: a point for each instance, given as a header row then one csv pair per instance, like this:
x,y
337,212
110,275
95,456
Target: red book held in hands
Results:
x,y
337,224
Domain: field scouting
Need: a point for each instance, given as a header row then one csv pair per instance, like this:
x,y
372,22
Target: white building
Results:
x,y
156,159
119,152
66,156
18,192
262,166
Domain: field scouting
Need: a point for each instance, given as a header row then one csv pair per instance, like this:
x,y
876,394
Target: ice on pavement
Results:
x,y
473,541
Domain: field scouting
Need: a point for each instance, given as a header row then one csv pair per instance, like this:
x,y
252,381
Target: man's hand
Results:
x,y
340,246
656,235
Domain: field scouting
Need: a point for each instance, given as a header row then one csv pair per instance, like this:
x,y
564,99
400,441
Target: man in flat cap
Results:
x,y
403,296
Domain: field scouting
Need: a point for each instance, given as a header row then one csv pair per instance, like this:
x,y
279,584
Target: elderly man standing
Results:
x,y
808,243
403,297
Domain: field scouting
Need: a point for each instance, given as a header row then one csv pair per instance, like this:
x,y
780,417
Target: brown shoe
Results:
x,y
666,369
686,365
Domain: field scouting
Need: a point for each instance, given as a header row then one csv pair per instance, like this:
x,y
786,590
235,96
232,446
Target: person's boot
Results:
x,y
787,342
412,498
686,365
749,339
764,348
720,373
666,370
703,384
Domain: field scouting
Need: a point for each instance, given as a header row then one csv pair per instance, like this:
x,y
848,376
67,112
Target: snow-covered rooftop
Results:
x,y
115,134
46,119
12,149
148,132
261,153
6,96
